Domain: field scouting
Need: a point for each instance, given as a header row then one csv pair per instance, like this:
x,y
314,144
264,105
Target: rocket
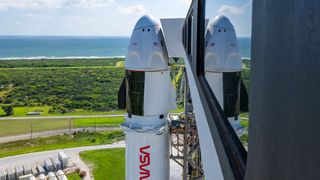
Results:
x,y
148,95
223,67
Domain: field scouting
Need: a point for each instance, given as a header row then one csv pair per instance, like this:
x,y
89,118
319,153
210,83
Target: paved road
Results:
x,y
61,117
73,153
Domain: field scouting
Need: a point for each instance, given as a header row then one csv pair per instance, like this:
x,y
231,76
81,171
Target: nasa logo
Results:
x,y
144,162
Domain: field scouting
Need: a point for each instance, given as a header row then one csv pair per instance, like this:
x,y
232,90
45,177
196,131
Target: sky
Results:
x,y
106,17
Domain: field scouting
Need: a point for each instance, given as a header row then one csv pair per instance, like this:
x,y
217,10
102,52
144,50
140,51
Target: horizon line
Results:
x,y
81,36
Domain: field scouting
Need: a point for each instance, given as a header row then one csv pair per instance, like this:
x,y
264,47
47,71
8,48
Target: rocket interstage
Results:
x,y
149,97
223,67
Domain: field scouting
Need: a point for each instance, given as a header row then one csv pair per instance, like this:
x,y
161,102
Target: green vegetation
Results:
x,y
59,86
16,127
60,142
64,90
245,74
8,110
2,113
99,122
107,163
74,176
245,123
244,120
244,139
176,79
40,63
22,111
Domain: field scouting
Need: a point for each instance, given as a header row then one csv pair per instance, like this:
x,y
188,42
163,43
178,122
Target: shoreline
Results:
x,y
70,58
59,58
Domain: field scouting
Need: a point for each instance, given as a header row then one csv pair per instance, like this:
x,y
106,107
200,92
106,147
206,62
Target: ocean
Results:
x,y
42,47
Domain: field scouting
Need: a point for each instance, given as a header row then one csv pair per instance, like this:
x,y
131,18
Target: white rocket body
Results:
x,y
223,66
150,95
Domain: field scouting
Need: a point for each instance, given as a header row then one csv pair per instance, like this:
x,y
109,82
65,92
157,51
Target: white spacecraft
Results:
x,y
148,94
149,97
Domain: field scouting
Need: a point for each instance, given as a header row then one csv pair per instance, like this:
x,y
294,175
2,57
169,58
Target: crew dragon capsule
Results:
x,y
149,97
223,68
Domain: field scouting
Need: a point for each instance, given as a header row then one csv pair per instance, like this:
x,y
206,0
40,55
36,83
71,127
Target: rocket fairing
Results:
x,y
223,67
149,97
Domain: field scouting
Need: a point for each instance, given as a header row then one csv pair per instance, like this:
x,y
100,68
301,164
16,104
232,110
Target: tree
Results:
x,y
8,110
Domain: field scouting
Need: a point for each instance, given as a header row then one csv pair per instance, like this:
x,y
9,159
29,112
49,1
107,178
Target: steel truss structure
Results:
x,y
185,146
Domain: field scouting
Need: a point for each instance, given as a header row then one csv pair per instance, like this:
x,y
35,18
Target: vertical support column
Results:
x,y
284,135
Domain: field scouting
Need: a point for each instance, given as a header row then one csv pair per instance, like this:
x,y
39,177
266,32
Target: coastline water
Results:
x,y
60,47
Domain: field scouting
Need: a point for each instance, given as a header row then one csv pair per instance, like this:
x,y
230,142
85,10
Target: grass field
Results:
x,y
22,112
74,176
44,63
59,142
99,122
108,164
2,113
16,127
244,120
244,123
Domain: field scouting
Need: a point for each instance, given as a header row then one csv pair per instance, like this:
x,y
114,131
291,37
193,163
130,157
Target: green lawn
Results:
x,y
107,164
178,110
45,63
244,120
22,111
74,176
1,112
59,142
244,115
245,123
16,127
99,122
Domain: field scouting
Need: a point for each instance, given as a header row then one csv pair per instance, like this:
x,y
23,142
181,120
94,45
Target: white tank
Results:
x,y
42,177
26,169
150,95
223,66
3,174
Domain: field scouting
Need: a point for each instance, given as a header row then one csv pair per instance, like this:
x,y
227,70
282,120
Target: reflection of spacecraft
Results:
x,y
223,67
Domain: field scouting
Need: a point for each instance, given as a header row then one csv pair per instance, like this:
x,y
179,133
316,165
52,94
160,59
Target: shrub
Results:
x,y
8,110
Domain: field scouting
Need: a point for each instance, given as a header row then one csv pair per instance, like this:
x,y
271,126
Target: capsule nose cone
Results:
x,y
222,21
146,21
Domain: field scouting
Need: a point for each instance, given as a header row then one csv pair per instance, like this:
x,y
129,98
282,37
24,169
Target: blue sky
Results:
x,y
106,17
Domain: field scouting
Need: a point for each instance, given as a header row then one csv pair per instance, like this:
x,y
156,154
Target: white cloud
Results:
x,y
224,9
5,4
234,10
135,9
2,7
25,4
85,4
188,2
93,3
